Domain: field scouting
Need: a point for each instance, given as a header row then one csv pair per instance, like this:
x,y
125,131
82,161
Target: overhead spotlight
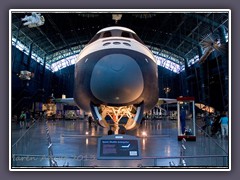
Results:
x,y
116,17
87,133
35,20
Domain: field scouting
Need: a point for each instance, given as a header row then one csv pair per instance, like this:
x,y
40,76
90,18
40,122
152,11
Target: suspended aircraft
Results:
x,y
210,44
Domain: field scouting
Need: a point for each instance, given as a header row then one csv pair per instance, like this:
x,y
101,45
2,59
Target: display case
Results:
x,y
186,118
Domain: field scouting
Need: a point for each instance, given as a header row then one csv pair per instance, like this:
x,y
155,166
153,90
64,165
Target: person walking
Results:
x,y
224,125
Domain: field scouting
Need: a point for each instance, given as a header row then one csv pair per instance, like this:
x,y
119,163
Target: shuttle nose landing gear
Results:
x,y
132,113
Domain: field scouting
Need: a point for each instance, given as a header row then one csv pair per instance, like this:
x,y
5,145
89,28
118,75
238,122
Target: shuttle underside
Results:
x,y
118,83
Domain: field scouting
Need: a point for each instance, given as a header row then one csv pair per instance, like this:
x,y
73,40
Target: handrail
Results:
x,y
145,157
212,139
82,159
176,157
23,135
52,161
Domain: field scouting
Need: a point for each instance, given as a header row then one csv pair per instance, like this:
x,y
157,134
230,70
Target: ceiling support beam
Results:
x,y
203,19
31,41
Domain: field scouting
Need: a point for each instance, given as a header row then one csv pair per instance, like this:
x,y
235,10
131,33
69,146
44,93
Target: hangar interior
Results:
x,y
189,65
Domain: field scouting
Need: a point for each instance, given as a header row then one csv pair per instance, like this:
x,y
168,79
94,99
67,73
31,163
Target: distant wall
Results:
x,y
167,78
25,92
62,82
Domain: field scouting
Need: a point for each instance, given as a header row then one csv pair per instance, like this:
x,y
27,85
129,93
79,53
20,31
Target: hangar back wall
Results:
x,y
45,82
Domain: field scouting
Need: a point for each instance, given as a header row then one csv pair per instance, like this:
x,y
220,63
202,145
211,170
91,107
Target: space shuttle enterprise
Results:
x,y
116,75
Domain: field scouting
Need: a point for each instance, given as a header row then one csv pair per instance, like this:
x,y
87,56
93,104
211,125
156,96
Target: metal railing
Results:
x,y
21,158
52,161
154,161
184,160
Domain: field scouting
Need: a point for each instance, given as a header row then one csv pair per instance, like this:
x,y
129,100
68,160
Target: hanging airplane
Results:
x,y
116,75
210,44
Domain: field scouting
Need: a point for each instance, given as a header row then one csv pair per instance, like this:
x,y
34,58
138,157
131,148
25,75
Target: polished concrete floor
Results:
x,y
73,144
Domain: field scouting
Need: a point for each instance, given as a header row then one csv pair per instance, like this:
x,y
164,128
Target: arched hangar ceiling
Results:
x,y
174,35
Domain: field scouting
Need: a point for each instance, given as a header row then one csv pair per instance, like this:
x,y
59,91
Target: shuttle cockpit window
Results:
x,y
125,34
120,33
107,34
116,33
137,38
96,37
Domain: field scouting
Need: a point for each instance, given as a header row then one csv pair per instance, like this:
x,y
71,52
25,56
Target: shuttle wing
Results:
x,y
68,101
166,101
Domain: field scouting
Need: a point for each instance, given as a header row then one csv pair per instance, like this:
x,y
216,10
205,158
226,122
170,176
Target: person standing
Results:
x,y
110,131
224,125
22,119
90,120
216,126
28,119
44,115
207,121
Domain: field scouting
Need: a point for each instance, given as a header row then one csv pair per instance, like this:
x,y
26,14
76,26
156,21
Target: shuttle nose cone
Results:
x,y
116,79
116,65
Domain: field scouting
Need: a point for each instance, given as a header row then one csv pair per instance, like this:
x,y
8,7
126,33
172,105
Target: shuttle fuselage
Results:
x,y
116,72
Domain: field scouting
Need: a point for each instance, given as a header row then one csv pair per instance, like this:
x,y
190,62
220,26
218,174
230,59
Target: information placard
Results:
x,y
119,147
